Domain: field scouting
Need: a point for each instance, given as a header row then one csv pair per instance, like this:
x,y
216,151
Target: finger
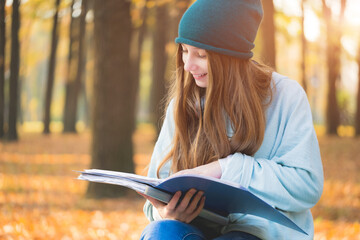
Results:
x,y
174,201
185,201
197,211
145,196
156,203
194,202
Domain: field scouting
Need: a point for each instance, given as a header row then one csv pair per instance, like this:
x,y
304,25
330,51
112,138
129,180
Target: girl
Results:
x,y
232,118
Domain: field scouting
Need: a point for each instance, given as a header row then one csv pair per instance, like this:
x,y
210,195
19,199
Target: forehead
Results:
x,y
189,47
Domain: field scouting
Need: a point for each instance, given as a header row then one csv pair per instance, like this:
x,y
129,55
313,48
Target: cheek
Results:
x,y
184,58
204,66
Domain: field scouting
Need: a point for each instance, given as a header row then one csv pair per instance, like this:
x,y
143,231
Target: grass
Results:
x,y
41,199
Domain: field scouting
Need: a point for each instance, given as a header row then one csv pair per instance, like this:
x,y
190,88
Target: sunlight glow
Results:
x,y
292,8
311,26
352,12
335,6
9,3
288,7
294,28
350,45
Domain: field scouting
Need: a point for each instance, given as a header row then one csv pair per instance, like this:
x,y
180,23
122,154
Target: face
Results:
x,y
196,63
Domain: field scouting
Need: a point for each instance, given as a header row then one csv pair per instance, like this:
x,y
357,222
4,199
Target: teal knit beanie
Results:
x,y
224,26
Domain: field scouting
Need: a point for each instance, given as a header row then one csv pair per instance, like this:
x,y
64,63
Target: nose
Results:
x,y
189,63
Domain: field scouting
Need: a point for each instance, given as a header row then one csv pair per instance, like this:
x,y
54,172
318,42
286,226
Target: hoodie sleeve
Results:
x,y
287,171
161,149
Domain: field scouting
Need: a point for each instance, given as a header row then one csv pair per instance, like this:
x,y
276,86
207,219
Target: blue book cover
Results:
x,y
222,198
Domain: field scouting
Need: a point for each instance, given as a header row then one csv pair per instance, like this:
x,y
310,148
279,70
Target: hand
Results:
x,y
212,169
185,211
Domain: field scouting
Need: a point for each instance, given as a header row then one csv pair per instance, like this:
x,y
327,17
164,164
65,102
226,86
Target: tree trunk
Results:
x,y
179,8
159,65
268,34
74,82
2,65
303,48
87,75
166,30
14,72
51,71
81,57
333,54
136,51
112,146
71,72
357,117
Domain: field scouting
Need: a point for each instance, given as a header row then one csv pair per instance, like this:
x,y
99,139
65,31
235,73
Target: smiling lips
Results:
x,y
199,76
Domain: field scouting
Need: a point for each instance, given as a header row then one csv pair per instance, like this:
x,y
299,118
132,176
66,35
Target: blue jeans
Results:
x,y
176,230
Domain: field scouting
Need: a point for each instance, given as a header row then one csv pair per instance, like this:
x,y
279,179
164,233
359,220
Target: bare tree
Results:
x,y
138,34
112,130
76,62
51,70
333,54
2,65
303,47
160,40
166,30
357,116
14,72
71,70
268,34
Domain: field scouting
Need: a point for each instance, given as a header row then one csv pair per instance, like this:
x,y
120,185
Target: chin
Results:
x,y
201,84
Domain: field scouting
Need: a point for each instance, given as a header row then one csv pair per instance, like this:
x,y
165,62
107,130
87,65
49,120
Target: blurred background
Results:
x,y
82,84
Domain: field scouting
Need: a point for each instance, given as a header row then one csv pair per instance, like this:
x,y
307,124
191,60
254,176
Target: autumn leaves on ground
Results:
x,y
41,199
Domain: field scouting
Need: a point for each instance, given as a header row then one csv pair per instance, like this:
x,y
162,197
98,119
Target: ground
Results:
x,y
41,199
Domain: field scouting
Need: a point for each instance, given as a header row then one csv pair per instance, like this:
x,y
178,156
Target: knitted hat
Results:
x,y
224,26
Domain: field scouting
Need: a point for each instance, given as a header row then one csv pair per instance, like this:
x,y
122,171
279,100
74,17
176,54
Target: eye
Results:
x,y
202,55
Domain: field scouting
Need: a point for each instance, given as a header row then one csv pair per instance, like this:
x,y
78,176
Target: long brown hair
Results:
x,y
238,92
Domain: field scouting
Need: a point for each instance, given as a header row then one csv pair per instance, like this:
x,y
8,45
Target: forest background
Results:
x,y
81,84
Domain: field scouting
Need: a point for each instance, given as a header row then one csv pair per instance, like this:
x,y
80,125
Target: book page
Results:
x,y
139,187
130,176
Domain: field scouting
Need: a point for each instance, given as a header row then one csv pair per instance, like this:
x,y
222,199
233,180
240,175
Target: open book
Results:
x,y
222,198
